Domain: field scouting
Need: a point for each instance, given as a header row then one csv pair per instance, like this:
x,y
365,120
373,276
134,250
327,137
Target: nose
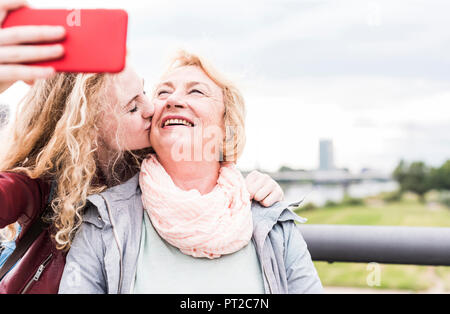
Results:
x,y
175,101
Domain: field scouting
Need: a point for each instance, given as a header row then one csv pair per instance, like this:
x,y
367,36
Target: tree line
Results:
x,y
419,178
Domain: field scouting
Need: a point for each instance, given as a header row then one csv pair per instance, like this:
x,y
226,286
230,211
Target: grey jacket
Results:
x,y
104,253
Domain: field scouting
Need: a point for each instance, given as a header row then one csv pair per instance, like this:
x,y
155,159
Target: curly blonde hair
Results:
x,y
55,136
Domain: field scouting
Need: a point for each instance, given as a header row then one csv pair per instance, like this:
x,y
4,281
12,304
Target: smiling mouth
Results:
x,y
177,122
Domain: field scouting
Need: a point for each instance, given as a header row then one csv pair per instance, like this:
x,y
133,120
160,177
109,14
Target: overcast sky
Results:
x,y
373,76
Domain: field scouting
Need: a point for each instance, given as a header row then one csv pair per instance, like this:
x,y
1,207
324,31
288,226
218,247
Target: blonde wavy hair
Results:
x,y
234,116
55,136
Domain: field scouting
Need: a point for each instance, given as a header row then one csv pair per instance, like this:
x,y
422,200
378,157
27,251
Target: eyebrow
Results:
x,y
168,83
193,83
188,84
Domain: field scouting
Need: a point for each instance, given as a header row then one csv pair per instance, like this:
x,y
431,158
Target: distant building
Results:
x,y
4,115
326,161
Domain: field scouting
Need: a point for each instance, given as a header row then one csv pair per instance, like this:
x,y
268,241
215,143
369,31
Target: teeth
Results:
x,y
178,121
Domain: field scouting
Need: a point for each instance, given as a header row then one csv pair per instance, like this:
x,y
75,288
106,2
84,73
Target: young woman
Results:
x,y
81,132
185,224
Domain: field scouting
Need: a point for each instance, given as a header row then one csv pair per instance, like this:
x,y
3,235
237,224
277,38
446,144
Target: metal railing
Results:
x,y
380,244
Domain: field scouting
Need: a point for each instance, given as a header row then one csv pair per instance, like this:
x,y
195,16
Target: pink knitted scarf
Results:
x,y
209,225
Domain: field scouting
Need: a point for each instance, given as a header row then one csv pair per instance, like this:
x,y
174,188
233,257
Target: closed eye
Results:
x,y
196,91
162,92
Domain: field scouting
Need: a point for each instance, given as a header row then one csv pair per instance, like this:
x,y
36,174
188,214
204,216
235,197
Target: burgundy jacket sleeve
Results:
x,y
22,199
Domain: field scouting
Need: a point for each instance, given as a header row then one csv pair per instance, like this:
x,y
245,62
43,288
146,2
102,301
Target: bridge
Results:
x,y
328,177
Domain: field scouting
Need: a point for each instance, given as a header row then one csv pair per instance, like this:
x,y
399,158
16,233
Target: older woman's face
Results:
x,y
189,115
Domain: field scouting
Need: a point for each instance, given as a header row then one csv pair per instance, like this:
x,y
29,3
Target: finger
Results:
x,y
281,194
259,183
22,54
253,175
8,5
4,86
12,73
264,191
12,4
31,34
250,182
272,199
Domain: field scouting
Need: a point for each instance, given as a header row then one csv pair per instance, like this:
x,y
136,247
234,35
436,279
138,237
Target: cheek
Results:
x,y
210,112
132,127
215,116
218,111
108,128
133,136
158,104
213,126
126,133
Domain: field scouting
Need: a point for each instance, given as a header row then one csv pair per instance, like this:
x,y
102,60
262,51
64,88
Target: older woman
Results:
x,y
186,224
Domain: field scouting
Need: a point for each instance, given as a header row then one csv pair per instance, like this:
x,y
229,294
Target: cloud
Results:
x,y
372,75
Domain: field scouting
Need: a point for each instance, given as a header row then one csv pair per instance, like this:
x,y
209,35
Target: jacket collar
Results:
x,y
264,218
116,195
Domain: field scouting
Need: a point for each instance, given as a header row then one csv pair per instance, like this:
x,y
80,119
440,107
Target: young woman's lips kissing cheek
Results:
x,y
149,126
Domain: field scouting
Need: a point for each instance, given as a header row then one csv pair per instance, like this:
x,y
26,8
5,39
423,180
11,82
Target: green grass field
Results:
x,y
407,212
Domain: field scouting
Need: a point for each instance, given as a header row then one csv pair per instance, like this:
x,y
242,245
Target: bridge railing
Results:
x,y
380,244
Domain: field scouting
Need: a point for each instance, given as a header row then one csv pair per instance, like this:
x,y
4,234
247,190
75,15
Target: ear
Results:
x,y
231,145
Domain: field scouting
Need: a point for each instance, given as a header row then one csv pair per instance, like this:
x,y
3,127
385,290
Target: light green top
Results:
x,y
162,268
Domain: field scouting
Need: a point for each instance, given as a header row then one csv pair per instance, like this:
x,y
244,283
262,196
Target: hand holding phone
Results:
x,y
95,40
15,49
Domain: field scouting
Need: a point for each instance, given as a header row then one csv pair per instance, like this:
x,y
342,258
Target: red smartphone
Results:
x,y
95,39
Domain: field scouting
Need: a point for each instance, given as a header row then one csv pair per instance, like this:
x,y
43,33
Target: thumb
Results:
x,y
9,5
4,86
